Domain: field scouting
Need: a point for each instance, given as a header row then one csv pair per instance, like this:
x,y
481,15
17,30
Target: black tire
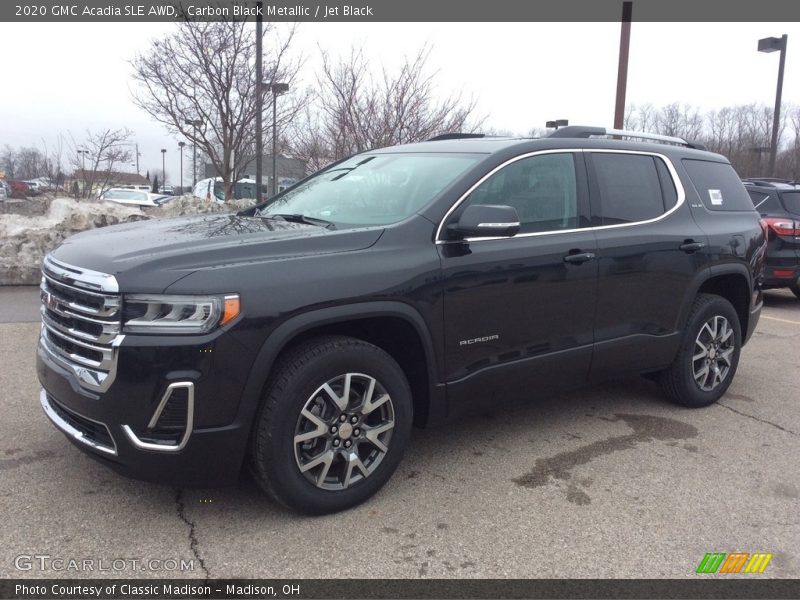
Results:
x,y
795,287
678,380
298,376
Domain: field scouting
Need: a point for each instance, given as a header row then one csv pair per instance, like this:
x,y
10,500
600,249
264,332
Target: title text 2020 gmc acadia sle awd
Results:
x,y
304,336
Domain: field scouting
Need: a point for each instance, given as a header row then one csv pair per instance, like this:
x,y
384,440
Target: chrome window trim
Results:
x,y
71,431
88,280
142,445
670,167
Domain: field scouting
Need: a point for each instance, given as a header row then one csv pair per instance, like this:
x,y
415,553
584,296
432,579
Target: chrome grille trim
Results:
x,y
79,277
81,326
74,432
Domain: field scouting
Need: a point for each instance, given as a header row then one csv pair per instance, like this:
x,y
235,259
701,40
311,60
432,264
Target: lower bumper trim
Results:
x,y
74,431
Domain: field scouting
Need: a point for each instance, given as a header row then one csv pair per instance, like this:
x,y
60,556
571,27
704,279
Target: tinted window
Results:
x,y
718,185
629,186
791,200
541,188
668,191
765,203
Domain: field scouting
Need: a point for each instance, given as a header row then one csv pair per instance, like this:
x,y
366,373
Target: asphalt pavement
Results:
x,y
611,481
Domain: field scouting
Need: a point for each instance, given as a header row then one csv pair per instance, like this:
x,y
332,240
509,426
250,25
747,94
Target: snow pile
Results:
x,y
191,205
24,240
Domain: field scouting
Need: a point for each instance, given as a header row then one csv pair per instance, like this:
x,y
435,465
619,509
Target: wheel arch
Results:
x,y
395,327
730,281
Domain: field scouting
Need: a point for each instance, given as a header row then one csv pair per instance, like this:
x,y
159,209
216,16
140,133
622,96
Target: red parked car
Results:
x,y
19,188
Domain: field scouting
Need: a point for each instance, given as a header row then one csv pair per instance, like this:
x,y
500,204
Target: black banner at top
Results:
x,y
397,11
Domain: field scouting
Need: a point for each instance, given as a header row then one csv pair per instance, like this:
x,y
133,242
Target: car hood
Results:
x,y
148,256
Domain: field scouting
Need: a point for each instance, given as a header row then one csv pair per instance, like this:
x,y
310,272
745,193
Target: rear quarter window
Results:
x,y
791,200
718,185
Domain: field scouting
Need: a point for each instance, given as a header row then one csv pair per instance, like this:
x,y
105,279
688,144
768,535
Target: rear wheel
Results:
x,y
795,287
334,423
708,356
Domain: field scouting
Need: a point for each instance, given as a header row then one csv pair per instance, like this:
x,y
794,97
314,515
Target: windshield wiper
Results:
x,y
298,218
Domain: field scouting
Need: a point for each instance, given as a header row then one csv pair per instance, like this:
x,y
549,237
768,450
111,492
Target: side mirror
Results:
x,y
483,220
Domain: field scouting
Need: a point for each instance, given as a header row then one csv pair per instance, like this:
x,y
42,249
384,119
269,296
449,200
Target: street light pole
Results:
x,y
277,90
195,123
181,145
773,44
163,167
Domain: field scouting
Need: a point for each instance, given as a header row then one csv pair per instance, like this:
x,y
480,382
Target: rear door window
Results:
x,y
718,185
629,186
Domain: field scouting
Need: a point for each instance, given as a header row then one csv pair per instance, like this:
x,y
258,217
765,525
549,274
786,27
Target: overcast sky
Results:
x,y
70,77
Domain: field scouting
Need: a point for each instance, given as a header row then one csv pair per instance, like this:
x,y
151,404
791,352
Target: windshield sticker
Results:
x,y
716,197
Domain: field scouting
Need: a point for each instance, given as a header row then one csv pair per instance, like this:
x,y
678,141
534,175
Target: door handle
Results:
x,y
580,258
689,246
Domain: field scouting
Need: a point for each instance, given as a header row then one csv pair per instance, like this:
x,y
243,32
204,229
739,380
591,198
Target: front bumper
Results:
x,y
109,426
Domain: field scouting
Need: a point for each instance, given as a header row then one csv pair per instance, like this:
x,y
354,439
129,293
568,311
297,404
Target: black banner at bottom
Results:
x,y
152,589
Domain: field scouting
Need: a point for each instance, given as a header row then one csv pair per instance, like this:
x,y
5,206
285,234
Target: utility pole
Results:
x,y
622,70
181,145
771,45
259,98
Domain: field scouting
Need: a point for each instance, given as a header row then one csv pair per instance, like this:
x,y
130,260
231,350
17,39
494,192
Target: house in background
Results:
x,y
99,181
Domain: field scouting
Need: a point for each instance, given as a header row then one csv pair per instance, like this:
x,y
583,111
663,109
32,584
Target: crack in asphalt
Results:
x,y
194,545
760,420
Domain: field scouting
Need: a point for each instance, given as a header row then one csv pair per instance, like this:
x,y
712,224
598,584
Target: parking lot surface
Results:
x,y
611,481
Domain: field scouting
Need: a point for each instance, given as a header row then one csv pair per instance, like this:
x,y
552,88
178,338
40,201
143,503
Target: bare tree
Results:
x,y
102,151
206,72
354,110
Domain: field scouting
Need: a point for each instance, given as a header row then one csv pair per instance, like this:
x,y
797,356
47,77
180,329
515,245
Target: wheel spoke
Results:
x,y
726,356
727,332
341,403
372,434
700,376
325,457
369,406
320,428
353,461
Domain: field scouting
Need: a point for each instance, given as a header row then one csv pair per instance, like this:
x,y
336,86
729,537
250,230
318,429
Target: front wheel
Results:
x,y
708,356
334,423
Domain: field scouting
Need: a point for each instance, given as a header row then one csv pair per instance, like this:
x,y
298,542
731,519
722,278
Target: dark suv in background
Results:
x,y
404,285
778,203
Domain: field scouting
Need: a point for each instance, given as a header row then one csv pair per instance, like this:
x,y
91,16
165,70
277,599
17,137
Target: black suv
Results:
x,y
304,336
778,202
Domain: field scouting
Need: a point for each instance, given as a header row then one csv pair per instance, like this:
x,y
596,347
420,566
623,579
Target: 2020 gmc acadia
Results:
x,y
403,285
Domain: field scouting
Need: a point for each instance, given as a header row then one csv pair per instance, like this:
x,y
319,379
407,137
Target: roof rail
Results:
x,y
580,131
455,136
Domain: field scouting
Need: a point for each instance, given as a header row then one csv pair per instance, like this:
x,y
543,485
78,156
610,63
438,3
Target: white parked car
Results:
x,y
132,197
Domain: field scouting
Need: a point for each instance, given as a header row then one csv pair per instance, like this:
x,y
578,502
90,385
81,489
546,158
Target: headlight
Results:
x,y
177,314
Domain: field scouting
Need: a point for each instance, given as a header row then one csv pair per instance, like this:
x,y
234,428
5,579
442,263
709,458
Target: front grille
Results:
x,y
81,322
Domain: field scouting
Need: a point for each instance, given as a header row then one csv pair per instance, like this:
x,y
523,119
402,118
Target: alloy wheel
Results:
x,y
343,431
713,353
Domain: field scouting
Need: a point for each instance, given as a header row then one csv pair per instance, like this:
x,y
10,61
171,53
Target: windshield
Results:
x,y
376,189
791,200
